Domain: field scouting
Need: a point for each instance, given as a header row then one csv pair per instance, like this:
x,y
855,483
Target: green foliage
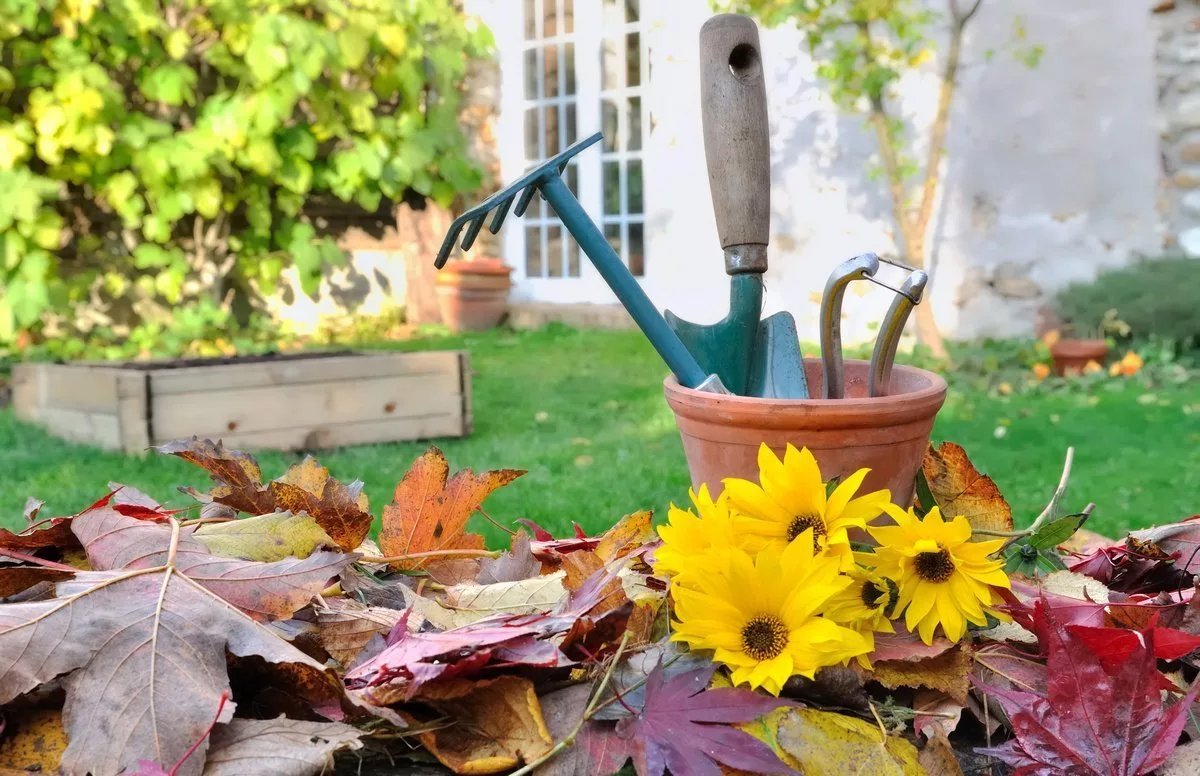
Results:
x,y
153,155
1157,299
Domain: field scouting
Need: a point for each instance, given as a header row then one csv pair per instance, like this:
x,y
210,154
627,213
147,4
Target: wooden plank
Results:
x,y
245,410
465,377
346,434
313,370
91,428
132,411
71,386
25,391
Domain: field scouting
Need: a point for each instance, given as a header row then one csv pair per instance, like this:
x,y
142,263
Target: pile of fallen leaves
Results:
x,y
266,633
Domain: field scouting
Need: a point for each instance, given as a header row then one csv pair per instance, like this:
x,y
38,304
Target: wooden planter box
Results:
x,y
284,402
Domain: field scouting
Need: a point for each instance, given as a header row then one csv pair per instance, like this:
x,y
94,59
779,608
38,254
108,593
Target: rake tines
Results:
x,y
525,186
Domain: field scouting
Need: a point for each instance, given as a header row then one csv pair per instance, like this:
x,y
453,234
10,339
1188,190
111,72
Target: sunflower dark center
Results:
x,y
801,523
871,594
935,566
764,637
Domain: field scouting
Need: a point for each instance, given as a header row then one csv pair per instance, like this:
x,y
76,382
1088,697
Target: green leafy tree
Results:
x,y
862,48
166,154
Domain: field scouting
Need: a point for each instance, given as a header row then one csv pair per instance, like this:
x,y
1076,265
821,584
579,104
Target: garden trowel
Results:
x,y
752,357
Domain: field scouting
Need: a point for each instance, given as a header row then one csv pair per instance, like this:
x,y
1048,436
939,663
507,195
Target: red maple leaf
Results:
x,y
1100,714
684,728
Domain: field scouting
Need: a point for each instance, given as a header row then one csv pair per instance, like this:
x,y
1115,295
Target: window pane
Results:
x,y
612,232
631,10
635,124
608,124
613,15
530,19
552,147
634,185
570,123
533,252
573,179
569,64
612,188
531,74
532,151
633,60
636,250
550,28
554,249
568,16
610,65
572,258
550,54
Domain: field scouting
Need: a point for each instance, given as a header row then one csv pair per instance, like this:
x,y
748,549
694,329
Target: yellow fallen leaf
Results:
x,y
33,741
498,724
471,602
266,538
630,533
960,489
827,742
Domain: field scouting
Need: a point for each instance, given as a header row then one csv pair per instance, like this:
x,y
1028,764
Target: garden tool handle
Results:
x,y
883,357
733,102
864,266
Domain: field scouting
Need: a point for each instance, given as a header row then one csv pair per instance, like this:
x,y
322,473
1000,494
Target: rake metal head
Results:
x,y
522,190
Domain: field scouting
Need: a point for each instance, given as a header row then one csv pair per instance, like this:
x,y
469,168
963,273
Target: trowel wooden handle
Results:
x,y
736,144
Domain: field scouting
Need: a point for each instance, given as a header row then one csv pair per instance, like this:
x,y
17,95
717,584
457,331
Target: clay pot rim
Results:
x,y
1079,347
477,267
856,412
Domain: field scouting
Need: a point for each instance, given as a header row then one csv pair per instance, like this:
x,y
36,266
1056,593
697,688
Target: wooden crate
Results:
x,y
287,402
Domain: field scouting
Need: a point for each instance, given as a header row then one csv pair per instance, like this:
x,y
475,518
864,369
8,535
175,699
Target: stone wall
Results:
x,y
1177,24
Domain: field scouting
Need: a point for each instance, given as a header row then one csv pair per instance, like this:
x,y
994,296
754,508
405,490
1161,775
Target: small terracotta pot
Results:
x,y
1072,355
888,434
473,295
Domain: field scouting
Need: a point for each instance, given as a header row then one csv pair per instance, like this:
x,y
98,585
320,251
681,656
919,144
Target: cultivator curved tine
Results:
x,y
525,186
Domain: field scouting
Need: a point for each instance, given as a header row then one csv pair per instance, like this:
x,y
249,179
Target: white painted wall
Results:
x,y
1052,171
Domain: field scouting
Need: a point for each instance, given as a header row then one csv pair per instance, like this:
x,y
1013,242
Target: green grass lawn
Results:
x,y
583,412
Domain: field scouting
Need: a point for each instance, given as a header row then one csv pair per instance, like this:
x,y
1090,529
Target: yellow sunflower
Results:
x,y
760,615
694,541
943,576
867,605
790,498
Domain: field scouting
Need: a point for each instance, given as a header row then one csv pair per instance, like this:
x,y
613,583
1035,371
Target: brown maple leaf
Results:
x,y
142,639
429,510
960,489
341,510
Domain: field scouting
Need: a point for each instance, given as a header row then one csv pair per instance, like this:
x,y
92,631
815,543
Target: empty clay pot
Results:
x,y
1072,355
473,295
888,434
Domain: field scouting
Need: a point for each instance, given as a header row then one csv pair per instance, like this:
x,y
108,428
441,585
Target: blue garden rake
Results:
x,y
546,178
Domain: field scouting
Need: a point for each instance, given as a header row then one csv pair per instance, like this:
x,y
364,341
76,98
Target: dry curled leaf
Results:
x,y
429,510
948,672
341,510
497,725
470,602
345,627
280,747
119,635
960,489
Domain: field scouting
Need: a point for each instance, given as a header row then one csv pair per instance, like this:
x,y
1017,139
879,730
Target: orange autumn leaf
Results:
x,y
960,489
630,533
430,509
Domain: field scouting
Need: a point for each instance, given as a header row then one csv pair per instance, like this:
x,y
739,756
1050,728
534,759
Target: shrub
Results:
x,y
1157,299
153,155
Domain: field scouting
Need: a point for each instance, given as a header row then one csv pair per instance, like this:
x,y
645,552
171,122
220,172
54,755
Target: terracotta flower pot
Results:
x,y
1072,355
889,434
473,295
